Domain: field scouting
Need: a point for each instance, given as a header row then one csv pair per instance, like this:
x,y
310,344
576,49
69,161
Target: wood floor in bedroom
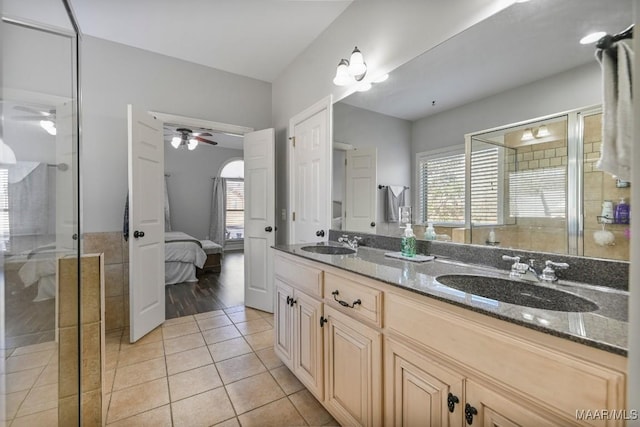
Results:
x,y
214,291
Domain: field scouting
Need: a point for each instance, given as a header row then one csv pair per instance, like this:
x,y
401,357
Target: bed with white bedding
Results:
x,y
182,254
40,269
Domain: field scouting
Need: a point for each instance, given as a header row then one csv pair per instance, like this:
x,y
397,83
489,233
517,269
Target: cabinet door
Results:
x,y
420,391
307,360
489,408
353,370
283,315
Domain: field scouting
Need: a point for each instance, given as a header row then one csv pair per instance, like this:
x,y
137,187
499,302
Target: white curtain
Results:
x,y
217,229
167,211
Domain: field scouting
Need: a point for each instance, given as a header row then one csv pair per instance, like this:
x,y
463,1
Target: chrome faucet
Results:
x,y
351,243
521,270
549,272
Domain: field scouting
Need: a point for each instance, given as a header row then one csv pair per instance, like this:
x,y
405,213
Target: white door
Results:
x,y
361,194
146,223
310,174
259,218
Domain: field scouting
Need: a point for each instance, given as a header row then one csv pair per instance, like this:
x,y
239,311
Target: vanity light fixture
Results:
x,y
527,135
543,131
352,70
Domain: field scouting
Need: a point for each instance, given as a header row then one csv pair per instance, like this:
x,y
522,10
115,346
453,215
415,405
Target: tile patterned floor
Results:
x,y
209,369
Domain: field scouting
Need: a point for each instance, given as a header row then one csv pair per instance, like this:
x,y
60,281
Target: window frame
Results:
x,y
233,179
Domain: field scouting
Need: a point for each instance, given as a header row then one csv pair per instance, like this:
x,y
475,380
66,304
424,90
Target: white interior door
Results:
x,y
310,174
259,218
361,195
146,223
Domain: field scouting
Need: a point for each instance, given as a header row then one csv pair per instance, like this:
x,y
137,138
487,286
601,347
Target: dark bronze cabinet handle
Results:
x,y
452,399
469,412
138,234
293,301
268,229
323,320
344,303
320,233
289,300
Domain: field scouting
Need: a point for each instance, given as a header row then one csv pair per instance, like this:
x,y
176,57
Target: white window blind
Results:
x,y
442,187
4,209
235,208
538,193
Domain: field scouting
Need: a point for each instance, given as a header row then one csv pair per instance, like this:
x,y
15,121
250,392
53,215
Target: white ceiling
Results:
x,y
253,38
521,44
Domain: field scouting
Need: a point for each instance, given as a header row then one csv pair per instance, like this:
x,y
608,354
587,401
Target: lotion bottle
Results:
x,y
408,246
430,232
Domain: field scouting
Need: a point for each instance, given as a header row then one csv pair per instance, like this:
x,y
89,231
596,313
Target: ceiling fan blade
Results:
x,y
202,134
27,118
31,110
205,140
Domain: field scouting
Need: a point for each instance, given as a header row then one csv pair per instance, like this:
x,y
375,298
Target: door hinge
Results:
x,y
293,140
293,216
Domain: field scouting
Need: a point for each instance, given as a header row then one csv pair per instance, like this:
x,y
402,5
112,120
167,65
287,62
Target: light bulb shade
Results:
x,y
193,143
175,142
342,77
527,135
357,67
49,126
363,86
543,131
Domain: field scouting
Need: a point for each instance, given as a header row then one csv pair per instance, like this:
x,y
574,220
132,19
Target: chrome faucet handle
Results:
x,y
511,258
549,272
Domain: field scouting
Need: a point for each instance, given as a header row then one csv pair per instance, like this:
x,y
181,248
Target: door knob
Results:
x,y
320,233
138,234
373,224
268,229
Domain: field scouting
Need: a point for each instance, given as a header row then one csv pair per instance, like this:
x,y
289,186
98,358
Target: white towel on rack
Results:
x,y
396,189
393,202
617,109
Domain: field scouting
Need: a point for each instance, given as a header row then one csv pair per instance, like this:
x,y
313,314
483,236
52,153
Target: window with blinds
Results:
x,y
4,209
235,209
538,193
442,187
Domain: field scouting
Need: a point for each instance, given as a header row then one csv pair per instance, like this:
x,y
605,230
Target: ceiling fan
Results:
x,y
45,117
187,138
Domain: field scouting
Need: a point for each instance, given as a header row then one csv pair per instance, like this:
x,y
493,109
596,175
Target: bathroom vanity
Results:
x,y
380,341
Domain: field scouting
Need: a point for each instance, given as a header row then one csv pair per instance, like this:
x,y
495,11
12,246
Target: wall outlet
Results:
x,y
283,215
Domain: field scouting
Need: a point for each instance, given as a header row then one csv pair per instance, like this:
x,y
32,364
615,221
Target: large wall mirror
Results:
x,y
466,109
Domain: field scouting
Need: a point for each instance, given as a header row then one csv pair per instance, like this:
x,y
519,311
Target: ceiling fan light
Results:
x,y
193,143
357,67
49,126
175,141
380,79
342,77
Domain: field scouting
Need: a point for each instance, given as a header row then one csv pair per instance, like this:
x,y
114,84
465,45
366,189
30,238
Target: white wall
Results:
x,y
189,185
392,138
388,33
114,75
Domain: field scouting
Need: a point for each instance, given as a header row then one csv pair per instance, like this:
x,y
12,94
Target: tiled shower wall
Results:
x,y
116,269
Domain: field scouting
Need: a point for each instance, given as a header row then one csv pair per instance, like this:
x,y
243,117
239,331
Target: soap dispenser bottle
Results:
x,y
621,214
408,242
430,232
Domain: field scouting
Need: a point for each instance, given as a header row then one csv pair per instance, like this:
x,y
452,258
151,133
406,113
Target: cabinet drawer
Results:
x,y
554,378
349,291
298,275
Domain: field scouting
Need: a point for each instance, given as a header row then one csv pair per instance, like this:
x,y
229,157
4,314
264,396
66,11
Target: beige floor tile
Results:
x,y
253,326
140,353
27,361
214,322
12,402
158,417
111,359
24,380
252,392
186,360
287,380
234,309
177,321
228,349
275,414
153,336
239,367
203,409
179,330
48,376
233,422
269,358
185,342
269,320
107,380
208,314
195,381
137,399
39,399
48,418
310,409
260,340
44,346
244,316
212,336
138,373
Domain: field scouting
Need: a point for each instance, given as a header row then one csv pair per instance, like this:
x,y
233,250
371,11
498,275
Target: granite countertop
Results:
x,y
605,328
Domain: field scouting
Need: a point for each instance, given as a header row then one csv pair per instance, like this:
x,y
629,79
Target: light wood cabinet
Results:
x,y
353,367
283,317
